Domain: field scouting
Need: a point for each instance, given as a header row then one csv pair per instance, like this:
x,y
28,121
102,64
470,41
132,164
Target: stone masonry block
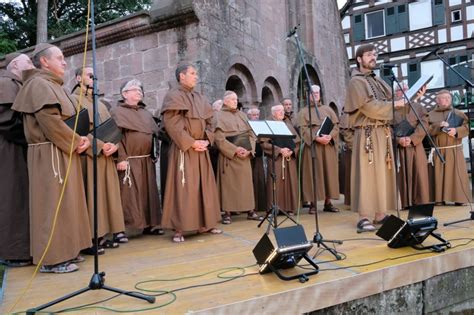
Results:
x,y
111,69
155,59
146,42
131,64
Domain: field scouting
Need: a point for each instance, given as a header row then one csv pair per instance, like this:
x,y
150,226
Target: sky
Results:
x,y
340,3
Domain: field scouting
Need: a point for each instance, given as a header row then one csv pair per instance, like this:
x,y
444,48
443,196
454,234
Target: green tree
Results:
x,y
18,22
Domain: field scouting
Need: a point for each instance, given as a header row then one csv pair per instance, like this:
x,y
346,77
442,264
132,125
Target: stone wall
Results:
x,y
449,293
238,43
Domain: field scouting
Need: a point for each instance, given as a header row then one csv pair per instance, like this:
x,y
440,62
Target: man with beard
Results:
x,y
368,103
109,206
14,213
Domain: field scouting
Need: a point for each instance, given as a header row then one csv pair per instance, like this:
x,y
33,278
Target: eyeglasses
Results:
x,y
135,89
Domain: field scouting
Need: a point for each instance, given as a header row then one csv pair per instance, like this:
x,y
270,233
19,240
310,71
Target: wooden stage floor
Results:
x,y
156,257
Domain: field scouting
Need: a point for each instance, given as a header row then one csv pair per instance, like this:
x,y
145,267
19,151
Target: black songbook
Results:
x,y
404,129
108,131
82,123
326,127
284,143
453,120
241,140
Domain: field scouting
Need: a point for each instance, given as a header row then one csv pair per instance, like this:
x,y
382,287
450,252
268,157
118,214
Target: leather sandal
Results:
x,y
385,218
252,215
364,225
120,237
65,267
330,208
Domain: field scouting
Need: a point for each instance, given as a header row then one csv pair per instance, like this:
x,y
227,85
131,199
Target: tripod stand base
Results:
x,y
96,283
459,221
303,277
320,242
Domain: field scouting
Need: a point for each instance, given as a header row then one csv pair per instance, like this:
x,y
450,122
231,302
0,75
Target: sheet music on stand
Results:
x,y
270,129
422,81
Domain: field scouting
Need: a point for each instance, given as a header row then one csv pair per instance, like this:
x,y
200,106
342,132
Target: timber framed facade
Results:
x,y
405,31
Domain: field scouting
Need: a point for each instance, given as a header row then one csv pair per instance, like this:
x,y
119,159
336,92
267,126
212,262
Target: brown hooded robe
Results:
x,y
191,199
14,213
45,105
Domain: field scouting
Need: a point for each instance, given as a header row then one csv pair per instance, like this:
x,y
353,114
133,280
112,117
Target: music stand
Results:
x,y
273,130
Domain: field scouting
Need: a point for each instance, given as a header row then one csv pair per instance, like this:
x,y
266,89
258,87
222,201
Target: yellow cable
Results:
x,y
71,147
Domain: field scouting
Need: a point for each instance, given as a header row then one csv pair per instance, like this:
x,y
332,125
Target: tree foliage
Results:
x,y
18,18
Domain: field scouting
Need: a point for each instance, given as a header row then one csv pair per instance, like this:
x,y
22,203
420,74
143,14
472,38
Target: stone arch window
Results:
x,y
271,95
302,92
241,81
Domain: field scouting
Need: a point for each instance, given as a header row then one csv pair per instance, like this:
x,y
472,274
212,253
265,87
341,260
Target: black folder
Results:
x,y
108,131
326,127
404,129
82,123
241,140
453,120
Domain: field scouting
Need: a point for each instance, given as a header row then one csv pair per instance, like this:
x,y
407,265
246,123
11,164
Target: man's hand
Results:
x,y
122,166
399,103
452,132
443,124
404,141
420,93
84,143
242,153
324,139
285,152
109,148
200,145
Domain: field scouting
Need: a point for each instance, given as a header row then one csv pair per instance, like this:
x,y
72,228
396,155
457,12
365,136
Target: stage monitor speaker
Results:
x,y
292,246
412,232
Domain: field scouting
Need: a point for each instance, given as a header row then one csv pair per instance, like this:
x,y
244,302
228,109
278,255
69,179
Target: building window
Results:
x,y
375,24
347,38
455,16
436,68
420,14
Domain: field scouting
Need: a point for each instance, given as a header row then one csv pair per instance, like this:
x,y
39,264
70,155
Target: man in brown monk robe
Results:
x,y
14,215
191,200
236,143
327,181
413,171
368,103
45,105
346,134
288,106
136,164
258,169
450,179
286,153
109,207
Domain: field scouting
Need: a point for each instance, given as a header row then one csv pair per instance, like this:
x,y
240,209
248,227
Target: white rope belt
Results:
x,y
432,151
53,148
127,177
283,166
181,167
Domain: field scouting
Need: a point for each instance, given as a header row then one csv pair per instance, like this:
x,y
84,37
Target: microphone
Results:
x,y
292,32
432,53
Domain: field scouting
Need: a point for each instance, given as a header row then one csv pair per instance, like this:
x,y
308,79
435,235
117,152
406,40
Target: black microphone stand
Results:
x,y
318,237
98,278
393,79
